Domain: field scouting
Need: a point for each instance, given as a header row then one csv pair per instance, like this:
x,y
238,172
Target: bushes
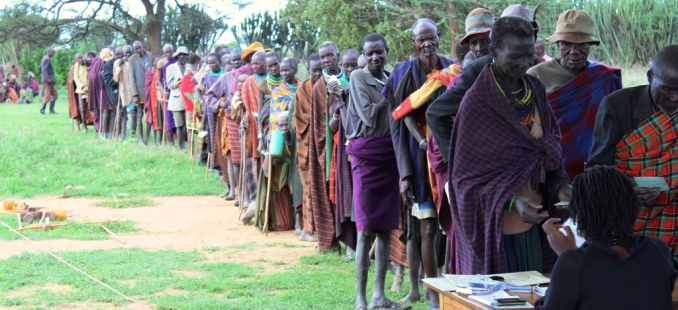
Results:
x,y
61,62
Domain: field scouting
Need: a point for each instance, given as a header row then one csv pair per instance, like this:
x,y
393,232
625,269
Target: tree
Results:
x,y
281,35
189,25
68,21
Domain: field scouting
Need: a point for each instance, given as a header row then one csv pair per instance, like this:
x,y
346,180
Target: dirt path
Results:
x,y
176,223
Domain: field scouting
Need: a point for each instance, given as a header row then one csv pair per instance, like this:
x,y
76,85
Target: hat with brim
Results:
x,y
181,50
253,48
106,54
574,26
478,21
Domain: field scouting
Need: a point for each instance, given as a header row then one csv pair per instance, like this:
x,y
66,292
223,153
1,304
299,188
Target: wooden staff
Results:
x,y
117,119
268,195
164,124
112,234
207,167
101,112
241,185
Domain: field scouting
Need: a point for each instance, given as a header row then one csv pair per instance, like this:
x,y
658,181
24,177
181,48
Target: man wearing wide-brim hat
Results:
x,y
175,103
478,26
575,86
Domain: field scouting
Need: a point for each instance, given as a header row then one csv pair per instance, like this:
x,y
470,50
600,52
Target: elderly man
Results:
x,y
374,169
97,98
301,122
478,25
630,124
439,113
71,87
415,188
139,63
122,77
81,78
575,86
250,97
341,187
320,215
214,93
48,82
163,91
112,88
175,104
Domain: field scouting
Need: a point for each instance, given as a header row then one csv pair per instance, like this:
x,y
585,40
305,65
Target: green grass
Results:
x,y
41,155
72,231
181,280
128,202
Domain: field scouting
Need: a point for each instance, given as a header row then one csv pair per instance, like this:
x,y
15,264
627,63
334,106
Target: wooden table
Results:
x,y
454,301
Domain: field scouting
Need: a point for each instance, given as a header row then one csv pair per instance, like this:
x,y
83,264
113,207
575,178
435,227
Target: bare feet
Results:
x,y
411,297
249,214
305,236
297,232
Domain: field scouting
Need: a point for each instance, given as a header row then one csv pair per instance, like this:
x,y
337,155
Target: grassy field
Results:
x,y
41,155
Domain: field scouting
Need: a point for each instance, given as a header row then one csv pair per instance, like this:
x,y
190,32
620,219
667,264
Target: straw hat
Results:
x,y
106,54
181,50
574,26
253,48
478,21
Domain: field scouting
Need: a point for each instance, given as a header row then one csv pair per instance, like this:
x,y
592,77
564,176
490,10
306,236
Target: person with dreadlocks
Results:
x,y
630,125
604,208
505,170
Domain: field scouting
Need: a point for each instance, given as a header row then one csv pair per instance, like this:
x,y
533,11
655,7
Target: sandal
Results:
x,y
230,197
389,304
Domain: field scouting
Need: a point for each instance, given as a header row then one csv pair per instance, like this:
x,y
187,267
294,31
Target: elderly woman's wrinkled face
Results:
x,y
282,123
573,56
515,56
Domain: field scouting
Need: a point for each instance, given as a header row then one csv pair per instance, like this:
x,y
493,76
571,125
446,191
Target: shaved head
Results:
x,y
666,58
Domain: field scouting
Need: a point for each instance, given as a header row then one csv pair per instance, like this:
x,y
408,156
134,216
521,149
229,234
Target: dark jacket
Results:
x,y
446,106
110,84
138,74
619,113
46,70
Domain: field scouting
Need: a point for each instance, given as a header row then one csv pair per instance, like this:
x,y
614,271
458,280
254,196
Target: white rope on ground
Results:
x,y
76,268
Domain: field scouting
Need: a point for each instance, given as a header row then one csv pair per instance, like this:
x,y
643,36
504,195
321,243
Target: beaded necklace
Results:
x,y
524,104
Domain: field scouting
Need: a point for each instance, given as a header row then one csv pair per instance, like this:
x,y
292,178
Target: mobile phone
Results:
x,y
497,278
509,301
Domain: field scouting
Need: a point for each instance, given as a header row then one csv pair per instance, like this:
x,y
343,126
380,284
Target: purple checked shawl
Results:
x,y
493,157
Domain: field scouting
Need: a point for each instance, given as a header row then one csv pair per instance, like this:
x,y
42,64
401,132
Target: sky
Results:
x,y
225,6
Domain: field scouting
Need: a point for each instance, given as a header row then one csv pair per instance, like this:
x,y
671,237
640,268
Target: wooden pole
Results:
x,y
101,113
112,234
268,195
117,119
207,167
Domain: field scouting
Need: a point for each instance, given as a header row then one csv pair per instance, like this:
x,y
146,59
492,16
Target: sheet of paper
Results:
x,y
541,291
516,278
577,238
488,299
652,182
441,284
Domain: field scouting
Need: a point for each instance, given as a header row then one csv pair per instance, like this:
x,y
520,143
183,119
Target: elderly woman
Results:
x,y
605,207
505,159
575,86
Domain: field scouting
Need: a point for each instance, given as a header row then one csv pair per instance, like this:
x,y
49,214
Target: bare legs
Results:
x,y
421,248
362,262
231,176
83,111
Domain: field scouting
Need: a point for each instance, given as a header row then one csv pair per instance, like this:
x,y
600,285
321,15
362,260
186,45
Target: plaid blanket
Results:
x,y
489,164
575,106
651,150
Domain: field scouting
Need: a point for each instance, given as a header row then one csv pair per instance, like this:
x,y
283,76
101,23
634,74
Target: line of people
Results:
x,y
436,164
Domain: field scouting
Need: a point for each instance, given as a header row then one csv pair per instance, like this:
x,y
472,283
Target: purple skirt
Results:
x,y
376,194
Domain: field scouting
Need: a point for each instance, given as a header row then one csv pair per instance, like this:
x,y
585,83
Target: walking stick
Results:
x,y
207,167
241,173
117,120
101,113
268,195
164,124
